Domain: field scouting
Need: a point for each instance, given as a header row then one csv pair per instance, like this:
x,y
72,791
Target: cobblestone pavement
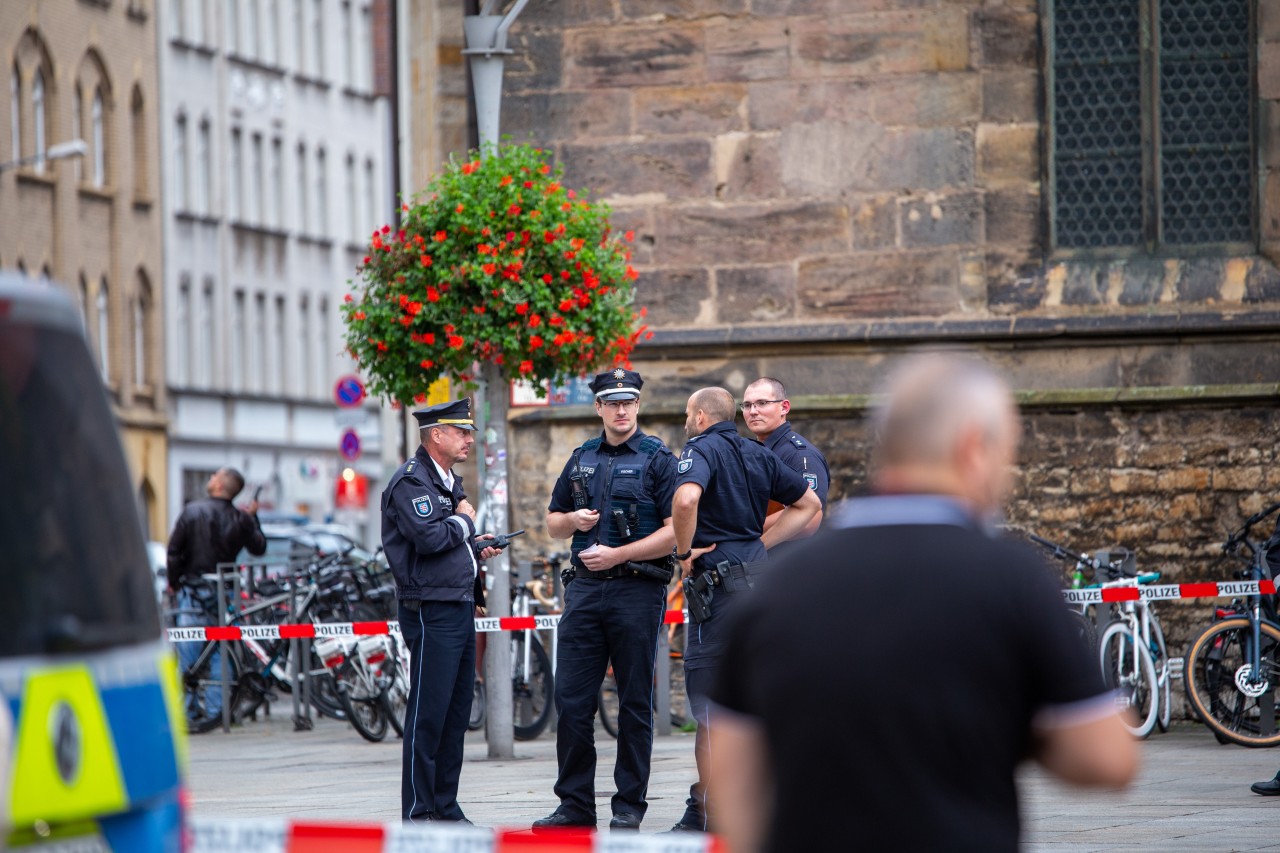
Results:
x,y
1192,793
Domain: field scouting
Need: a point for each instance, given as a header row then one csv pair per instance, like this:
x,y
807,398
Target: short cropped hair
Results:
x,y
716,402
928,403
233,479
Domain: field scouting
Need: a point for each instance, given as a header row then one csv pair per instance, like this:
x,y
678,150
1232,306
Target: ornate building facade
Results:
x,y
86,70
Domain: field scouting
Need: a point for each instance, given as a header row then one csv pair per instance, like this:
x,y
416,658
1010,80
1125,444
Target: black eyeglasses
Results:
x,y
748,405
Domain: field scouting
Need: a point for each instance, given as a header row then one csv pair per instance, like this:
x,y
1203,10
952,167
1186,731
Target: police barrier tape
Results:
x,y
1168,591
489,624
278,835
310,630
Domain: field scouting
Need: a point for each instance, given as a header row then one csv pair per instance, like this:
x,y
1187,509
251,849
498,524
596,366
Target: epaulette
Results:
x,y
695,438
796,440
410,465
650,445
591,443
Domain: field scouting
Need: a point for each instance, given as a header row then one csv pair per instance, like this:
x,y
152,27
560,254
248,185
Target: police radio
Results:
x,y
577,487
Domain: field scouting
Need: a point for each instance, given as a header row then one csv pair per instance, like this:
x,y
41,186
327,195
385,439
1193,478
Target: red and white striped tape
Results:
x,y
488,624
310,630
1168,591
278,835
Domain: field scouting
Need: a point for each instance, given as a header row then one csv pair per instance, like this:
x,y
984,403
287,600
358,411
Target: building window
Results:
x,y
15,114
181,167
238,343
1152,138
299,38
322,195
204,168
256,177
184,339
236,188
303,190
84,300
77,128
141,336
178,12
363,51
348,46
204,331
323,371
280,376
304,346
38,119
141,157
258,343
99,139
271,33
251,43
370,195
104,328
277,183
198,13
317,38
353,225
233,26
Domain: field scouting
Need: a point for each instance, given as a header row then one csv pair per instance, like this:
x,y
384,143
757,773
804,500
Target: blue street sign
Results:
x,y
349,391
350,446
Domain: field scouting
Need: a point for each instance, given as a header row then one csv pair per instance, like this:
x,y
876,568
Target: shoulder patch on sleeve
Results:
x,y
685,465
812,480
651,444
422,505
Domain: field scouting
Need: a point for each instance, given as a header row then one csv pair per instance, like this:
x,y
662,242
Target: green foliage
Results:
x,y
496,262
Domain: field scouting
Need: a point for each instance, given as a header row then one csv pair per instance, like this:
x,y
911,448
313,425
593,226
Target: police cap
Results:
x,y
457,413
617,384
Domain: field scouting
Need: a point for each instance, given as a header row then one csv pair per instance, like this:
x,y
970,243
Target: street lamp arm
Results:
x,y
500,37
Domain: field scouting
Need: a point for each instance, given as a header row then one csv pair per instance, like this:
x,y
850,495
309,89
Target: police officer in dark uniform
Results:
x,y
724,483
429,536
614,498
765,408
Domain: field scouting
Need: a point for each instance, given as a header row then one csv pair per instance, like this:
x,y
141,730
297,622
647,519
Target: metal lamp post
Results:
x,y
486,40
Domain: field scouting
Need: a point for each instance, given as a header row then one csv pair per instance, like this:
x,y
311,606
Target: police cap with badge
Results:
x,y
616,384
456,413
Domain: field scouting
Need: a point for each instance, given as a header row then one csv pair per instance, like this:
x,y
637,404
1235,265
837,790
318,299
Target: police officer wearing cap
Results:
x,y
614,499
765,408
724,483
429,537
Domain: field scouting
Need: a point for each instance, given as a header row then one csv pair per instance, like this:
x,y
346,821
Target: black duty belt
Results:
x,y
728,576
646,571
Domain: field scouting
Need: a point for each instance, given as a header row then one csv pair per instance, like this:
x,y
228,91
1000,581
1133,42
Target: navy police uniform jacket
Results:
x,y
429,547
738,477
636,478
800,455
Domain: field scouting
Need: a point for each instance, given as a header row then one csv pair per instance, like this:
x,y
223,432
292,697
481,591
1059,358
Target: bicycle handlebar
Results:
x,y
1062,553
1241,535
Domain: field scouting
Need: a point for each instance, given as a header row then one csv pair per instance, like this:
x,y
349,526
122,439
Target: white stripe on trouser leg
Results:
x,y
413,743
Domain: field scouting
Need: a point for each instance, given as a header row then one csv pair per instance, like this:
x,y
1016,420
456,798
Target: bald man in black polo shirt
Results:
x,y
953,657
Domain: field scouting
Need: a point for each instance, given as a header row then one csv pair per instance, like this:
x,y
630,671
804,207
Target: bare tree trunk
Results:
x,y
492,408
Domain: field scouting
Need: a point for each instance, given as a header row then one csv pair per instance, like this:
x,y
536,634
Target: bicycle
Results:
x,y
1232,666
532,681
1131,648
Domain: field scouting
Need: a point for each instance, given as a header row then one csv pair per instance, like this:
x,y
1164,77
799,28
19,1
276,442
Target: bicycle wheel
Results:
x,y
530,690
1128,669
608,702
1086,629
1220,684
395,699
1160,657
202,684
364,711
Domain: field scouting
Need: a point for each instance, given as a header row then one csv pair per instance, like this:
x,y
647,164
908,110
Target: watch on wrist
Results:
x,y
682,557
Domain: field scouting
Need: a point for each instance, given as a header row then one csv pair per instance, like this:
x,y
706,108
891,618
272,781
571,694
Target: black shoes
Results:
x,y
1269,788
623,820
559,820
684,827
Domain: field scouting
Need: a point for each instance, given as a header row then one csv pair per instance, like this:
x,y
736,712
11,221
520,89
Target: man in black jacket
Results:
x,y
429,536
209,531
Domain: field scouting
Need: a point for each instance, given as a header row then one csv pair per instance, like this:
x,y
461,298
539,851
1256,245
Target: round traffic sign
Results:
x,y
348,391
350,445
